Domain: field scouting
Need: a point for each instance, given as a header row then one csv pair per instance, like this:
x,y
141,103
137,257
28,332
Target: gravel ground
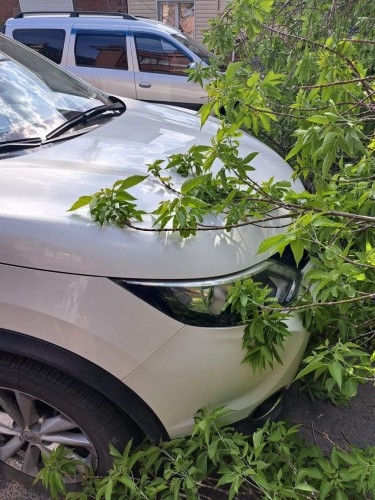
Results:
x,y
321,423
14,491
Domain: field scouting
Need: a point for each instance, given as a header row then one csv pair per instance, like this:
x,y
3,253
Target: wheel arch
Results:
x,y
88,373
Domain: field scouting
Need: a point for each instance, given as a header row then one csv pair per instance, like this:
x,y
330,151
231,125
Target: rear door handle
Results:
x,y
145,85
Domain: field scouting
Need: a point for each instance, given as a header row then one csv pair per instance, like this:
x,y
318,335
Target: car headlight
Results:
x,y
201,302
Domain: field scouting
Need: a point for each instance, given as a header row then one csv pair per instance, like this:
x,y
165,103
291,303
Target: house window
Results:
x,y
178,14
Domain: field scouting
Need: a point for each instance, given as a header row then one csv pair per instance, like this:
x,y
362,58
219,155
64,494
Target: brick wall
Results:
x,y
8,8
103,5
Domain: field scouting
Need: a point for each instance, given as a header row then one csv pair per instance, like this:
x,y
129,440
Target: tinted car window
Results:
x,y
157,55
48,42
195,47
101,50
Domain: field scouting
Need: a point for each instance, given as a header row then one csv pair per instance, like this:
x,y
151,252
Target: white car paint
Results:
x,y
143,134
55,265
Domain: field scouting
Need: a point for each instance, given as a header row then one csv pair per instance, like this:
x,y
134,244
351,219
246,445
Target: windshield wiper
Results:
x,y
116,108
29,142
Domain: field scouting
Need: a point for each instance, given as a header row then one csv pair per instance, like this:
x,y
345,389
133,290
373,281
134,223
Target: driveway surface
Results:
x,y
321,422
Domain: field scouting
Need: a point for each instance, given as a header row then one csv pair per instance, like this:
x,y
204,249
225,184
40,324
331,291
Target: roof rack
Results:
x,y
77,14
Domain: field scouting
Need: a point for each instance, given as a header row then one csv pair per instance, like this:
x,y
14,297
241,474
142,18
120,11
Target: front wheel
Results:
x,y
42,408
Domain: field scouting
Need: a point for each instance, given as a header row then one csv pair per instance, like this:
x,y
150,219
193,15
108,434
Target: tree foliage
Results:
x,y
300,76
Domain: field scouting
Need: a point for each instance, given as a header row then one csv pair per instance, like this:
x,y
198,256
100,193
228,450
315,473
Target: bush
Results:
x,y
302,81
273,463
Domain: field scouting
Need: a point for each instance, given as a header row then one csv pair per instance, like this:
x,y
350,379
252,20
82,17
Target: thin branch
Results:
x,y
363,335
355,180
345,259
356,40
333,84
293,209
359,103
365,323
207,228
367,296
335,213
322,46
273,112
320,108
325,435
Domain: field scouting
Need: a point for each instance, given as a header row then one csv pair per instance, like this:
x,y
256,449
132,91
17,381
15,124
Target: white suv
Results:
x,y
118,53
105,331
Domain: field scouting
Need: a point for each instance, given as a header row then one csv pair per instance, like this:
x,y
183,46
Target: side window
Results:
x,y
101,50
157,55
48,42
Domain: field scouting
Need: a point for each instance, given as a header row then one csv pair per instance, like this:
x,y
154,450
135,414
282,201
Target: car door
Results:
x,y
102,58
160,72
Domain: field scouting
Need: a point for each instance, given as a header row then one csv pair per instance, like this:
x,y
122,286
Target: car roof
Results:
x,y
89,17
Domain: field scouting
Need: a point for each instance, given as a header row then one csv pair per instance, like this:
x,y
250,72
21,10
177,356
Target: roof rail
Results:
x,y
77,14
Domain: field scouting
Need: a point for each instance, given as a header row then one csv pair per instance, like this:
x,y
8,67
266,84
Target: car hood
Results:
x,y
37,188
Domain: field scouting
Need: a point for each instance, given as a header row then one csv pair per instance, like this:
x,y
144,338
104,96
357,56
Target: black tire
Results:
x,y
53,395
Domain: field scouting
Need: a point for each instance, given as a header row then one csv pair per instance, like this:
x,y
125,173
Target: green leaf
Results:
x,y
308,369
325,489
257,438
126,481
305,487
205,112
335,369
318,119
193,182
81,202
265,122
296,149
108,490
132,181
298,249
328,142
233,68
253,80
276,243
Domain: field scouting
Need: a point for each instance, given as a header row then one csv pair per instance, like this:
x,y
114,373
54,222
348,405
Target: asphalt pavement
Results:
x,y
321,422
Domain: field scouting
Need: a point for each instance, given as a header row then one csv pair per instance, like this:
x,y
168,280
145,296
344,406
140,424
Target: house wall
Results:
x,y
144,8
8,8
204,10
101,5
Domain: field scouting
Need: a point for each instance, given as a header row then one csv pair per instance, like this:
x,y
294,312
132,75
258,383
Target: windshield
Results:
x,y
195,47
36,96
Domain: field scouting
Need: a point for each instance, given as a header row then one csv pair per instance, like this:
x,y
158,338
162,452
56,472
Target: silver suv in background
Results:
x,y
118,53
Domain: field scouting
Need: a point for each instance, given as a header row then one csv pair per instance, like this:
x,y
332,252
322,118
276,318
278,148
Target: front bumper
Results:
x,y
203,367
